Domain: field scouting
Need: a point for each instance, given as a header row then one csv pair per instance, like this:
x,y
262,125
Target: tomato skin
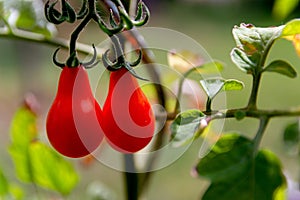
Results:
x,y
72,125
128,120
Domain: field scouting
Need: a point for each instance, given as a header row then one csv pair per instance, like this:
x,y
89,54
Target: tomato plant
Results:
x,y
235,164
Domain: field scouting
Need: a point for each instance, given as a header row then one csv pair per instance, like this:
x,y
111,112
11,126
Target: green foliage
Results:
x,y
281,67
252,45
23,132
34,161
291,135
26,15
9,190
291,28
4,187
283,8
235,172
51,170
185,128
213,86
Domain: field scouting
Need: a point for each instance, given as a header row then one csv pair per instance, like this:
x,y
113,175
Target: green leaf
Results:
x,y
4,185
251,45
268,175
16,192
281,67
235,172
241,60
34,161
184,127
28,15
23,127
232,84
58,174
23,132
282,8
253,39
291,135
8,190
229,157
291,28
247,39
213,86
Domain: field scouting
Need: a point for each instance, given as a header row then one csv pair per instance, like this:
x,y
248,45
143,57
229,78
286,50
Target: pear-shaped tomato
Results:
x,y
128,121
73,127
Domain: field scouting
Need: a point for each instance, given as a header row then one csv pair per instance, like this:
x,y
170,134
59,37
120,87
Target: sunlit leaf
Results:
x,y
16,192
9,190
241,60
247,39
291,31
235,172
232,84
57,174
34,161
291,28
282,8
4,185
23,128
184,127
251,44
23,132
281,67
213,86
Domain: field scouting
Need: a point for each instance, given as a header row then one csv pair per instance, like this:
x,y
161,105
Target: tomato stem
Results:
x,y
73,60
131,177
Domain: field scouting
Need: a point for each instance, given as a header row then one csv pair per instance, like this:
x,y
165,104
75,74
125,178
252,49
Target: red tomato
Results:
x,y
73,127
128,121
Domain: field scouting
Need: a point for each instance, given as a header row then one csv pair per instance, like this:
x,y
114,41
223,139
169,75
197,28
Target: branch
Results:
x,y
17,34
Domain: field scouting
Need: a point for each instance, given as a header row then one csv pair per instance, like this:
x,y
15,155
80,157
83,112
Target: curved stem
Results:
x,y
80,27
252,104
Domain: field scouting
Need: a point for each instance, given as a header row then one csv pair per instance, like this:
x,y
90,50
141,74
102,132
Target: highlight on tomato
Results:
x,y
73,127
128,121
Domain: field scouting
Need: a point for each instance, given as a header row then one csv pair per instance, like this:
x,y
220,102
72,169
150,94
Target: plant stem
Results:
x,y
148,57
27,36
258,137
208,104
80,27
254,92
258,114
131,177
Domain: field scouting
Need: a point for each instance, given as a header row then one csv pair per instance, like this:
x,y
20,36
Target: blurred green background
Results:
x,y
27,67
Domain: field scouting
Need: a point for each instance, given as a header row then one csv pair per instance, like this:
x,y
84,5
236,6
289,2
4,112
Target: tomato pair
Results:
x,y
76,125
